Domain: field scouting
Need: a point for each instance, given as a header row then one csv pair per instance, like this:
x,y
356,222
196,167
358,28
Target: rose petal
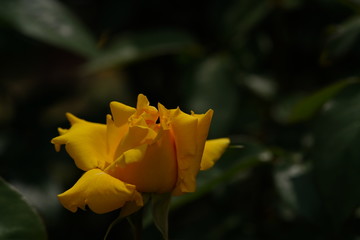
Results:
x,y
134,137
85,142
189,133
155,171
204,121
121,113
100,191
212,152
114,134
130,156
145,111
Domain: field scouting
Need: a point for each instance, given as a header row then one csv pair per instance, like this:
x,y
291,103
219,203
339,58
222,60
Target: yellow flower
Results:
x,y
142,150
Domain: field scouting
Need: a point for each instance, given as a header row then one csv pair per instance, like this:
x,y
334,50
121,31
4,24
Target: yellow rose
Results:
x,y
142,150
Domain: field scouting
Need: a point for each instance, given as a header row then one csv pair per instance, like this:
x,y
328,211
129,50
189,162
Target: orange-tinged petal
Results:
x,y
143,110
85,142
156,172
130,156
101,192
212,152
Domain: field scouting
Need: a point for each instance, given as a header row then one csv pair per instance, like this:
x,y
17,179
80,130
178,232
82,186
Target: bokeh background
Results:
x,y
281,76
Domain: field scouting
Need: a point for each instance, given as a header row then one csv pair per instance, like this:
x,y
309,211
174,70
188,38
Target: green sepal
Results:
x,y
133,214
160,211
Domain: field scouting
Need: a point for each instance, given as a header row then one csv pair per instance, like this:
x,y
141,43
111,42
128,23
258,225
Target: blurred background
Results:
x,y
281,76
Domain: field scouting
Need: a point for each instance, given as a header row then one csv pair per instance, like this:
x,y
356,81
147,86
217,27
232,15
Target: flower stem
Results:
x,y
136,222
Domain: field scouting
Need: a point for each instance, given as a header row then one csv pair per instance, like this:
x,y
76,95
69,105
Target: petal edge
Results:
x,y
101,192
212,152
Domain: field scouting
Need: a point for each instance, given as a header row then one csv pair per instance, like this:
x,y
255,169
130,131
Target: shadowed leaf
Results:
x,y
139,46
307,107
48,21
17,219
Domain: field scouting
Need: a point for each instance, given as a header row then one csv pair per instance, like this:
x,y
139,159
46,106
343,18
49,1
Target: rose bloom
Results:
x,y
142,150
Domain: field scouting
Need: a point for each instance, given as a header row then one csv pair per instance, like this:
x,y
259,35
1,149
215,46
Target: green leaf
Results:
x,y
160,212
307,107
17,219
242,17
139,46
336,155
48,21
213,86
343,38
296,186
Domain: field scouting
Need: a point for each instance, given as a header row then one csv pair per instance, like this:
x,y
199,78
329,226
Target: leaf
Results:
x,y
242,17
296,186
139,46
336,155
160,212
213,86
48,21
344,38
307,107
17,219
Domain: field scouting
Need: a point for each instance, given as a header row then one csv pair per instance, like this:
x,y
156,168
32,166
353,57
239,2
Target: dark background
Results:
x,y
281,76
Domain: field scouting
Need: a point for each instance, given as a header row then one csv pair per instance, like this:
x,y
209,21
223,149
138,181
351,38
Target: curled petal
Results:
x,y
130,156
212,152
190,132
101,192
135,136
85,142
143,110
121,113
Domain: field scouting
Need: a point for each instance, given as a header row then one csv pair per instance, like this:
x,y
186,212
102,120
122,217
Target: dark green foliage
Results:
x,y
18,220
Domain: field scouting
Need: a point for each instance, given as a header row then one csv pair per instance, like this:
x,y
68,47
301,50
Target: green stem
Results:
x,y
136,222
116,221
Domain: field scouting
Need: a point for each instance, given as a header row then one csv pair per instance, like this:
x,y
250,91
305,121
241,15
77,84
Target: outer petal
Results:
x,y
85,142
100,191
190,132
204,121
212,152
184,128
